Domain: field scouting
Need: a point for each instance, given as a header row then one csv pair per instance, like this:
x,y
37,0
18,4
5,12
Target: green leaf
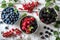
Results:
x,y
58,22
56,7
15,10
57,38
15,0
24,15
47,0
48,4
10,4
53,1
55,33
56,26
4,5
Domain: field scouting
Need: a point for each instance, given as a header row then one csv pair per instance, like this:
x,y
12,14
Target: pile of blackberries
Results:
x,y
9,16
47,15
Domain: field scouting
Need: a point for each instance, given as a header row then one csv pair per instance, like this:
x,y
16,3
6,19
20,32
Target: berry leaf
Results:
x,y
57,38
24,15
10,4
3,4
55,33
47,0
48,4
15,10
56,7
15,0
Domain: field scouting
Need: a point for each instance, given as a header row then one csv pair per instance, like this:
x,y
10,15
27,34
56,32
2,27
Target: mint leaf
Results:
x,y
47,0
57,38
48,4
15,10
15,0
10,4
56,26
58,22
4,5
55,33
56,7
24,15
53,1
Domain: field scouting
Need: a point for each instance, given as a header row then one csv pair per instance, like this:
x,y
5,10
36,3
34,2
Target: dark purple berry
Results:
x,y
41,33
6,27
50,33
46,32
42,37
51,30
46,36
48,28
45,27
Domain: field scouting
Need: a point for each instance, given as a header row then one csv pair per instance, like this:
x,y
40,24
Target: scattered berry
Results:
x,y
46,36
46,32
51,30
6,27
45,27
43,37
41,33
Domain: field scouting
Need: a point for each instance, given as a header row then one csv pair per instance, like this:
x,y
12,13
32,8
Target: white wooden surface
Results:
x,y
34,36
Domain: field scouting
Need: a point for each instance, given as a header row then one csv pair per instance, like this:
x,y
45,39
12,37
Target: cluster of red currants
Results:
x,y
12,32
30,6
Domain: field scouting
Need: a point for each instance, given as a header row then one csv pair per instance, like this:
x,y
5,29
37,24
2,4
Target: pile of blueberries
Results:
x,y
47,33
47,15
9,16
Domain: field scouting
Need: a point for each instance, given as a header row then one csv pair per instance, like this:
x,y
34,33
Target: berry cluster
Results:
x,y
11,33
30,6
9,16
28,24
47,33
47,15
